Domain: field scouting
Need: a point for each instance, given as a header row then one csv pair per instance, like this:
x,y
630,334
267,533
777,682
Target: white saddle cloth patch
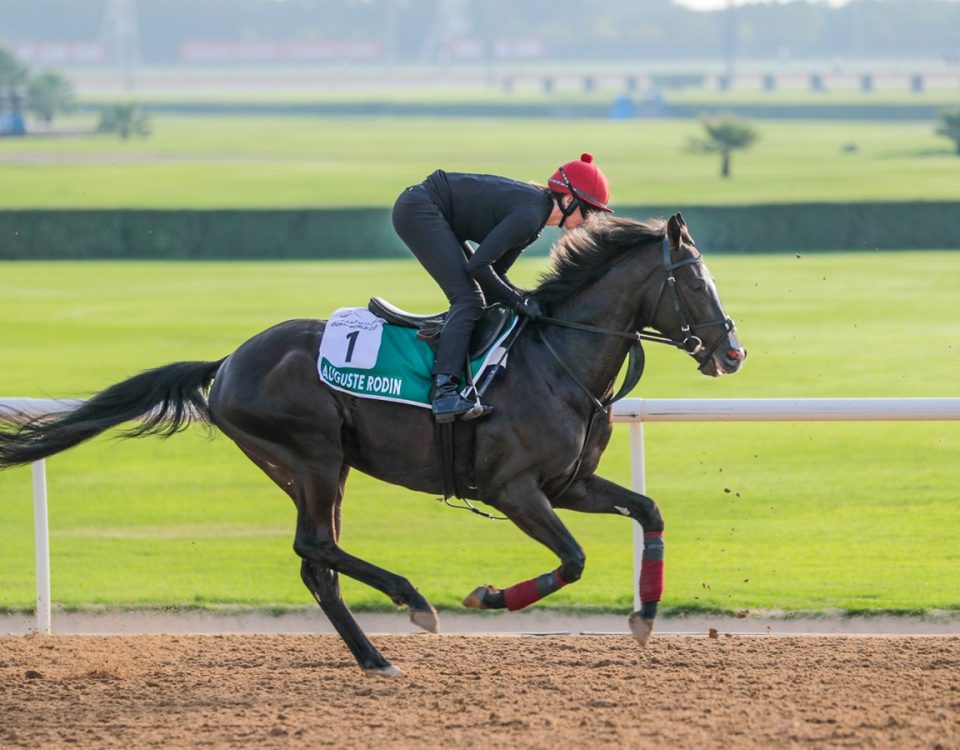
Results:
x,y
352,338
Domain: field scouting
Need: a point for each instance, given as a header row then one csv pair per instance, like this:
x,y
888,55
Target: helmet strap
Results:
x,y
571,207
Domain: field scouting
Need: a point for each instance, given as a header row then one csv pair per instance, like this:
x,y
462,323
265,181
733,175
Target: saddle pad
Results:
x,y
364,355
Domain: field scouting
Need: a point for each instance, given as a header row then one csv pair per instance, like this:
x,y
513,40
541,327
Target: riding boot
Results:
x,y
448,404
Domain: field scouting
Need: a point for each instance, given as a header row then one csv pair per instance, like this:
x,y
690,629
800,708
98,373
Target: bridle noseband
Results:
x,y
691,343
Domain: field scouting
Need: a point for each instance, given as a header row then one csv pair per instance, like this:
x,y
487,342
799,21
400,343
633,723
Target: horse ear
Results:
x,y
675,227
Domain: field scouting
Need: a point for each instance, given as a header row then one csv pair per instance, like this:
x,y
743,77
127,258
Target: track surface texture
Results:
x,y
282,691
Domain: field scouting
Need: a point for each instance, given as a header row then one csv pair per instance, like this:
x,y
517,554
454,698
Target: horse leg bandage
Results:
x,y
525,593
651,573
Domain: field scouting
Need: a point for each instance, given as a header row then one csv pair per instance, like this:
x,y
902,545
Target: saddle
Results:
x,y
485,333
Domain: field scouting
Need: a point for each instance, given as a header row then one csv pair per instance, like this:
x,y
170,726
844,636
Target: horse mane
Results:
x,y
582,256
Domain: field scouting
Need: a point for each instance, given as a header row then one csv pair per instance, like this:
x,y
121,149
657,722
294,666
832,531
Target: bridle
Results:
x,y
690,343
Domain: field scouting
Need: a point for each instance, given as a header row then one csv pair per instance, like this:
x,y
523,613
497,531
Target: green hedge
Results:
x,y
180,234
368,232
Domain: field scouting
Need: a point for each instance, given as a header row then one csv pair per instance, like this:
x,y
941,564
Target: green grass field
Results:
x,y
529,90
263,162
817,516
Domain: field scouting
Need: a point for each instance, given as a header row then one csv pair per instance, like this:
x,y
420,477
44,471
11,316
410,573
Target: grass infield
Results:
x,y
859,517
283,162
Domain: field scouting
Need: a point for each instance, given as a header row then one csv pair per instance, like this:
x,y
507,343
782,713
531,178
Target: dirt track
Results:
x,y
480,691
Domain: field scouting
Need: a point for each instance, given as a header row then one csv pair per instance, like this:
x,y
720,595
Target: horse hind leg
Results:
x,y
320,579
318,530
317,542
324,584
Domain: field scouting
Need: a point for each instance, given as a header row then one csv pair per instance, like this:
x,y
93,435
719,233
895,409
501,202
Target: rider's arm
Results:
x,y
500,249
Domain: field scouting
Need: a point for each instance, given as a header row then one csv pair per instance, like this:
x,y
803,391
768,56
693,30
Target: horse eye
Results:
x,y
697,286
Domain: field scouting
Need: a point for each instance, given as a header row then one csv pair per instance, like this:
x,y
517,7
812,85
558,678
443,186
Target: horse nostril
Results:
x,y
735,355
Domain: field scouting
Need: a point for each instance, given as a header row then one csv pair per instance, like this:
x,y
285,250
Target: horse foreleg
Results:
x,y
530,510
597,495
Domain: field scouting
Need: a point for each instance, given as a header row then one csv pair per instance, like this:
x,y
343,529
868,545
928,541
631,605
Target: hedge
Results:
x,y
368,232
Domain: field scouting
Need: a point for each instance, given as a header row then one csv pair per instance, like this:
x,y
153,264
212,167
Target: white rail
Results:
x,y
636,411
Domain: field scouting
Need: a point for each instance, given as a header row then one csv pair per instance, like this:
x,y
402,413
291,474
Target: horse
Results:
x,y
536,452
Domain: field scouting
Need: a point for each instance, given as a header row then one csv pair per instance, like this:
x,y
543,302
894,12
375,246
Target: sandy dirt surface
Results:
x,y
491,691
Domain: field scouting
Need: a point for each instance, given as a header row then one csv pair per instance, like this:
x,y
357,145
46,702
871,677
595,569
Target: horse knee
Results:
x,y
649,516
571,570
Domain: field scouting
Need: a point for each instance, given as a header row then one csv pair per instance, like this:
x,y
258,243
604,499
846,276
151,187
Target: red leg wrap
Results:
x,y
651,569
526,593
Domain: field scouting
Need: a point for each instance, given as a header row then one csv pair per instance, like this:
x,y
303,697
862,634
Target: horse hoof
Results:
x,y
475,599
641,627
426,619
388,671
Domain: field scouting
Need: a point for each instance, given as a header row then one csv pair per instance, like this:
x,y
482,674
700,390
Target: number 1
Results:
x,y
352,336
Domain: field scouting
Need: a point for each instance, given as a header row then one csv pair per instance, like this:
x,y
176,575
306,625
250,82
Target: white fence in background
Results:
x,y
636,411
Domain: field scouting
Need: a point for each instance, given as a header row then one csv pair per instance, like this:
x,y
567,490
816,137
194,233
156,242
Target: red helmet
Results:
x,y
583,181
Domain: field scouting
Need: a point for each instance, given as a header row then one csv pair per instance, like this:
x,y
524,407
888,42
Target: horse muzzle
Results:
x,y
724,359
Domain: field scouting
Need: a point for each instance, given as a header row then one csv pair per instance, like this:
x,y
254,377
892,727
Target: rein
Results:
x,y
691,343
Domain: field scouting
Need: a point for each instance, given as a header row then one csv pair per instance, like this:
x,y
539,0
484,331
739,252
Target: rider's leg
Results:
x,y
452,354
428,235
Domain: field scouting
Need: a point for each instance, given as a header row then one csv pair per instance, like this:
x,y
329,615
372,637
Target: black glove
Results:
x,y
529,307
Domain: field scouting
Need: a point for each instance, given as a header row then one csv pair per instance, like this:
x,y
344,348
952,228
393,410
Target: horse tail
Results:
x,y
165,400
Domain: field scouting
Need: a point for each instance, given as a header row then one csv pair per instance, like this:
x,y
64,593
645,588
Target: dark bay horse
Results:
x,y
608,280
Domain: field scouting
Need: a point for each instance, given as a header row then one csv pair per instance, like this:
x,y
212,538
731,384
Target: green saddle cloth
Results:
x,y
365,356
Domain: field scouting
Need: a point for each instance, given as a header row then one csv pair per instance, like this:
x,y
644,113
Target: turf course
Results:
x,y
282,162
860,517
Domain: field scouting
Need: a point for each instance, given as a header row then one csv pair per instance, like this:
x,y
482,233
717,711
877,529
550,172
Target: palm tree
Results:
x,y
124,119
724,136
950,127
49,94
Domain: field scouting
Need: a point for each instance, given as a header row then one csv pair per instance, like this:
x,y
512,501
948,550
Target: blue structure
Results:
x,y
12,124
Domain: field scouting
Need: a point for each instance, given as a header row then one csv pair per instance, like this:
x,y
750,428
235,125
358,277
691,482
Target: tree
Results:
x,y
950,127
49,94
124,119
724,136
13,76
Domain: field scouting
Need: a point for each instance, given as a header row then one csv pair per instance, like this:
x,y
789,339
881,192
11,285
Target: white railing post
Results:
x,y
638,478
41,537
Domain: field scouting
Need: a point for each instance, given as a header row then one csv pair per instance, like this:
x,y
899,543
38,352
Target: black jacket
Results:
x,y
502,216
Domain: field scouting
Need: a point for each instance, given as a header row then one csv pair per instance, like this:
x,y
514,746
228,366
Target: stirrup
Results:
x,y
476,411
464,409
448,407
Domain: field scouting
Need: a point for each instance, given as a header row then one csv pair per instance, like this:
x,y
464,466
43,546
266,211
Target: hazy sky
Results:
x,y
714,4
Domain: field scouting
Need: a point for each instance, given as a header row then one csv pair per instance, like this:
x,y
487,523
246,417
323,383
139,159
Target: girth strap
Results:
x,y
445,449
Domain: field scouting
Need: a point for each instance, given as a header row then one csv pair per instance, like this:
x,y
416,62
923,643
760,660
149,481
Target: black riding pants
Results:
x,y
420,224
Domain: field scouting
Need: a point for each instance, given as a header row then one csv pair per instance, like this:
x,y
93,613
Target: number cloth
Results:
x,y
363,355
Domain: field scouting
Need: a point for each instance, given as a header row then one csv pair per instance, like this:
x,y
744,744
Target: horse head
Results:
x,y
687,308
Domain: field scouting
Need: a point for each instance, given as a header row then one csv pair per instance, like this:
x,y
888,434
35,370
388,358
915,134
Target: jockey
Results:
x,y
438,217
